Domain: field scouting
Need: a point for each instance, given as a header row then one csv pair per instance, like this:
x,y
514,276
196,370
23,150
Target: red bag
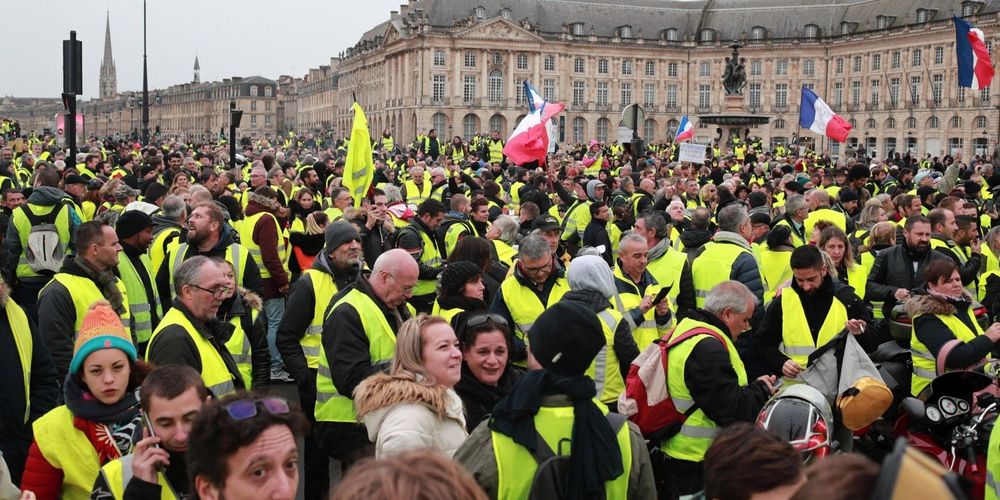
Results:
x,y
646,400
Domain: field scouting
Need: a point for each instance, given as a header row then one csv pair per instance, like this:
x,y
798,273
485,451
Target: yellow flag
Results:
x,y
359,170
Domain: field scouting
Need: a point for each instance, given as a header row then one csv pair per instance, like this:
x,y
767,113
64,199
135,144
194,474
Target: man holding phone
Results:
x,y
171,397
948,238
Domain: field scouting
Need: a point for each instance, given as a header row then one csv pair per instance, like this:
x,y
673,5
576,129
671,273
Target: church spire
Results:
x,y
109,78
197,70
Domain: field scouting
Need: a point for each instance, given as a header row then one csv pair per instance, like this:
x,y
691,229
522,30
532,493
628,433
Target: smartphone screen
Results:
x,y
660,296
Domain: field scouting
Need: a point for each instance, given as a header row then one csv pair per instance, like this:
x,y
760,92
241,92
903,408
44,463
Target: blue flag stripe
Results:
x,y
807,111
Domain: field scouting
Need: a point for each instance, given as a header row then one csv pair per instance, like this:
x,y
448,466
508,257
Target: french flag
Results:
x,y
975,70
685,131
816,115
532,137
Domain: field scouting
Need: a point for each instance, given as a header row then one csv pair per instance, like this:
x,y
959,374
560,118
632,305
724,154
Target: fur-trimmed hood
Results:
x,y
252,300
928,304
377,395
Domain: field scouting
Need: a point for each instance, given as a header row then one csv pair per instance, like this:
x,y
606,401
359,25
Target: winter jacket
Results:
x,y
893,269
242,306
596,235
934,334
41,196
402,415
693,241
251,273
267,237
969,270
374,242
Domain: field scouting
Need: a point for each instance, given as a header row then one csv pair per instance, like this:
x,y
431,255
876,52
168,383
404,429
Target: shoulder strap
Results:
x,y
693,332
543,452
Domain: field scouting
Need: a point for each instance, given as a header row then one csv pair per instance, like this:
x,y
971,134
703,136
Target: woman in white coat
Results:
x,y
415,405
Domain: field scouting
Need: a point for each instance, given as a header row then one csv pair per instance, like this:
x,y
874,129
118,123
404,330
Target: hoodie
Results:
x,y
591,283
693,239
42,196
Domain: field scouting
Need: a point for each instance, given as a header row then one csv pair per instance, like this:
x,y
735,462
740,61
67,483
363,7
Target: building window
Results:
x,y
890,122
781,67
505,13
779,124
437,88
253,105
602,93
649,95
627,67
932,122
497,58
521,97
602,66
705,69
847,28
625,32
781,95
439,121
838,94
649,129
603,124
707,36
549,90
470,60
672,96
497,122
857,64
876,62
470,126
672,69
757,33
267,105
968,9
938,55
253,91
894,91
755,67
626,94
856,93
267,91
808,67
870,123
984,94
896,57
253,119
812,31
961,94
480,13
704,96
915,89
496,87
673,35
937,85
579,90
469,88
955,122
439,58
577,29
549,63
578,65
579,127
911,122
875,93
754,95
980,121
839,66
917,59
922,16
267,119
650,68
882,22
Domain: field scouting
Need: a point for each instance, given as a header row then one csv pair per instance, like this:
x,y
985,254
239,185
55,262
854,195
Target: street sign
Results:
x,y
632,116
60,120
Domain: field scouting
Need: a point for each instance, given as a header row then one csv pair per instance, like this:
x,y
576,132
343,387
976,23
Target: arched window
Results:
x,y
649,130
707,36
253,91
870,123
956,122
853,122
267,91
672,127
579,129
577,29
890,122
981,121
498,122
505,13
779,124
480,12
625,31
603,125
812,31
758,33
911,122
470,126
673,35
440,122
495,87
932,122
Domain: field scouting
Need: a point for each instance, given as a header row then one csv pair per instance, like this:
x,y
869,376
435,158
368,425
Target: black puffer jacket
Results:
x,y
893,269
934,334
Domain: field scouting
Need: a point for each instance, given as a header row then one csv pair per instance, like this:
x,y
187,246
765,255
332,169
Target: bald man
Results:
x,y
819,209
359,339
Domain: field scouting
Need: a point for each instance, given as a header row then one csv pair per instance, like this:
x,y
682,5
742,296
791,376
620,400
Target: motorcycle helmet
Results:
x,y
801,415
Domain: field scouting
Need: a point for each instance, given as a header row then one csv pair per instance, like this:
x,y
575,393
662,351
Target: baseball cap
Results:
x,y
545,223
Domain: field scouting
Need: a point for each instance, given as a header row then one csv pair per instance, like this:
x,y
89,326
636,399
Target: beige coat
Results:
x,y
403,415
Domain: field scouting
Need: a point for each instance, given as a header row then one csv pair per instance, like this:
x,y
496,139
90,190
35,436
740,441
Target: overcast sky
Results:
x,y
231,38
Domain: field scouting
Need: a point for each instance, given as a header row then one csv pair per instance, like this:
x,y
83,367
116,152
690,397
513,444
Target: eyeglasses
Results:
x,y
406,289
218,293
247,408
481,319
539,269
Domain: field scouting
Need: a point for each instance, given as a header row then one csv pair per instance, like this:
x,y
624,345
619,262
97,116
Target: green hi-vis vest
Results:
x,y
331,405
214,372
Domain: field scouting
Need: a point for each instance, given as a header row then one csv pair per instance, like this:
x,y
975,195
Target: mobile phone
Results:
x,y
149,426
662,295
778,382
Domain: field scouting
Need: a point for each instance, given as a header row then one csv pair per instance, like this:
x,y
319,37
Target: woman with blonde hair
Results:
x,y
834,243
413,475
414,406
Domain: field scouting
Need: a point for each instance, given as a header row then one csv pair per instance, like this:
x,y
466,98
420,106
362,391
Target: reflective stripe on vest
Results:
x,y
431,256
214,371
236,255
417,195
239,346
524,305
117,474
496,150
324,289
140,304
666,270
796,340
576,220
924,364
84,292
647,331
713,266
253,248
331,405
604,369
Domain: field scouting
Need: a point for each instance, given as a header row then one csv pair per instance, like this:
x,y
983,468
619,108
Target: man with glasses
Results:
x,y
341,200
796,213
89,277
243,448
359,339
534,286
189,333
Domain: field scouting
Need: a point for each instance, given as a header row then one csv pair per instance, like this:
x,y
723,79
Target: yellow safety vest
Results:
x,y
992,491
117,473
837,218
214,372
18,322
84,292
857,278
713,266
239,346
160,246
236,256
524,305
430,256
388,143
774,269
924,364
595,168
666,270
647,331
697,432
796,340
246,241
324,288
140,305
455,231
457,154
331,405
796,240
604,369
516,466
576,220
447,314
67,448
23,225
417,195
505,253
496,150
515,196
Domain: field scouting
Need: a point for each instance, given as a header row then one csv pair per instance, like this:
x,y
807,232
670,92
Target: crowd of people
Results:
x,y
465,322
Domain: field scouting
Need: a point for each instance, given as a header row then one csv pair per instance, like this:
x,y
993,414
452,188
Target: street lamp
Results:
x,y
145,82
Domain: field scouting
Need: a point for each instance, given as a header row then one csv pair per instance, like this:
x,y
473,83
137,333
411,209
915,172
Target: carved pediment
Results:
x,y
499,29
391,35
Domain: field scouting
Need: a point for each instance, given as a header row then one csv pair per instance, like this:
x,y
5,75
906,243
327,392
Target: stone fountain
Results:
x,y
734,116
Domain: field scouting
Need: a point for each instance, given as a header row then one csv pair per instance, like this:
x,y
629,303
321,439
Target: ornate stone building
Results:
x,y
888,66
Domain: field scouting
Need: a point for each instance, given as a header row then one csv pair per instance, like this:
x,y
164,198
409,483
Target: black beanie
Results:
x,y
566,338
456,275
338,233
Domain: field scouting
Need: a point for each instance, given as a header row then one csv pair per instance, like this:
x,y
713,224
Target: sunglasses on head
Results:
x,y
247,408
481,319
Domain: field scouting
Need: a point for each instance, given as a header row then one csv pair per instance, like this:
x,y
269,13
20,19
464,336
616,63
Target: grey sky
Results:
x,y
230,37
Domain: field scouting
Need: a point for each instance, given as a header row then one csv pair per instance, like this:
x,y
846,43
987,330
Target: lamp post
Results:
x,y
145,82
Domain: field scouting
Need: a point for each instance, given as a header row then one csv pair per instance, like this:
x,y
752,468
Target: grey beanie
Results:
x,y
338,233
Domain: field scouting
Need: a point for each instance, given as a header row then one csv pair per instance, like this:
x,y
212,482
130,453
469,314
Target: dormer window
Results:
x,y
883,22
625,32
673,35
707,36
505,13
922,16
812,31
480,12
970,8
757,33
577,29
848,28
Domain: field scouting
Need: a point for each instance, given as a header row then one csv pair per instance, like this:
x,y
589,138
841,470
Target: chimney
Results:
x,y
403,8
393,14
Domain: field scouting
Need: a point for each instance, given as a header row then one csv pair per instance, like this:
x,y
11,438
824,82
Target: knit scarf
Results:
x,y
110,428
106,282
596,456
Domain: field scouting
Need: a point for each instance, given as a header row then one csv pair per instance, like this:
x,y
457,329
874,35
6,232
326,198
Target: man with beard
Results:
x,y
899,269
310,179
944,232
210,236
493,149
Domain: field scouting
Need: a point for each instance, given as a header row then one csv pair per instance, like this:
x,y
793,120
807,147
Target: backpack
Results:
x,y
646,400
44,251
551,479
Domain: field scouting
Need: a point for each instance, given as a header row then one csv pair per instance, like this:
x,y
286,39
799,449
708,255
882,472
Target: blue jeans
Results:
x,y
274,309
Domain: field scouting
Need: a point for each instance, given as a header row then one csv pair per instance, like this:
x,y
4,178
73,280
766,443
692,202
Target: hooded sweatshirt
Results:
x,y
591,283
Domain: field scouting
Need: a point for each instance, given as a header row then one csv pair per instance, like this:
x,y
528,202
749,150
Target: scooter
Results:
x,y
953,425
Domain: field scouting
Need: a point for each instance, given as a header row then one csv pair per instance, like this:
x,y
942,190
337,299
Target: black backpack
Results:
x,y
551,479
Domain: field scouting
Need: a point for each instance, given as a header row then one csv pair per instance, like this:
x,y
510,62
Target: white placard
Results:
x,y
694,153
624,135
